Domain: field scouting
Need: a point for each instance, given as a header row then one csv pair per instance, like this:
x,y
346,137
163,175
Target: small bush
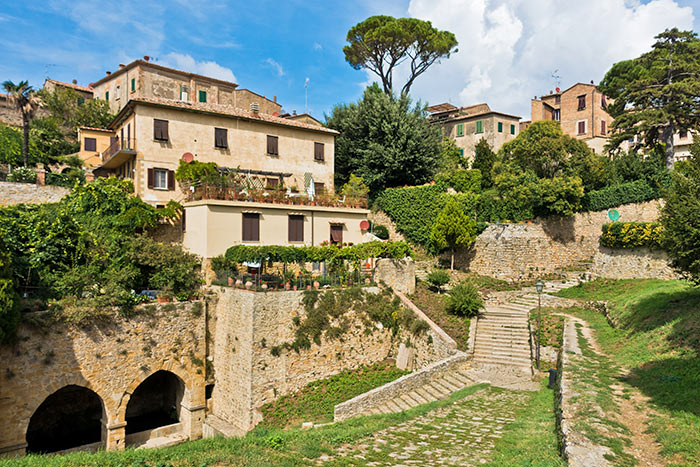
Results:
x,y
464,300
22,175
632,235
380,231
438,278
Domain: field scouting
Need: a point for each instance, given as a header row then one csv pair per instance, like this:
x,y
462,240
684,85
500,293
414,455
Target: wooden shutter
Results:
x,y
602,127
221,137
151,177
318,151
319,187
171,180
460,129
160,130
272,145
251,227
581,128
337,234
90,144
296,228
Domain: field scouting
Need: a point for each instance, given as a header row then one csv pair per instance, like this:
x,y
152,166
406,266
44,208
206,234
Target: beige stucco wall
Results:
x,y
214,226
471,138
194,132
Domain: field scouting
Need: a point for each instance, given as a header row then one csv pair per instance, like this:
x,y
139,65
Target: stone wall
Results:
x,y
110,357
632,263
399,274
526,250
248,375
29,193
381,218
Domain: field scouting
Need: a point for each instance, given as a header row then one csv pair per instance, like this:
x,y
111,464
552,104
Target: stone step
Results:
x,y
501,332
401,403
393,406
417,397
425,394
515,307
439,389
454,381
502,353
462,378
502,347
502,360
447,384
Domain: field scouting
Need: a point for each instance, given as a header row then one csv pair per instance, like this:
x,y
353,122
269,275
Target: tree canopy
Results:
x,y
381,43
452,229
656,94
388,142
25,99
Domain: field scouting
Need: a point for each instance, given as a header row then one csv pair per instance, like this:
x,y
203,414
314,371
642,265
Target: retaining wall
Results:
x,y
632,263
29,193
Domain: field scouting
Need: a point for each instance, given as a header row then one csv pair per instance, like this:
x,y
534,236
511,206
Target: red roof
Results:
x,y
95,129
77,87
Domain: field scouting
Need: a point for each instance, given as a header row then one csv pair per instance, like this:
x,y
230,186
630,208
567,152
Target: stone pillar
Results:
x,y
40,175
192,419
114,436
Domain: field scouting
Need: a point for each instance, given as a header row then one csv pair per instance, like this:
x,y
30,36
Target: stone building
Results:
x,y
466,126
84,92
144,79
9,115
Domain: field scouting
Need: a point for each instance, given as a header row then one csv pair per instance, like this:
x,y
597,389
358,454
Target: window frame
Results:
x,y
603,127
217,133
295,228
94,144
156,171
133,84
336,227
254,233
479,127
460,129
578,127
500,127
322,152
512,129
199,96
276,145
167,132
118,93
581,100
107,96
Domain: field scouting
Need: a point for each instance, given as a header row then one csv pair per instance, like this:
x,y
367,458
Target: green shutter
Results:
x,y
512,129
107,95
500,127
460,129
133,84
81,100
461,152
480,126
203,96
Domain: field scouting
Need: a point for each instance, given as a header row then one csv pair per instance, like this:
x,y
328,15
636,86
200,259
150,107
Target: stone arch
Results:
x,y
71,417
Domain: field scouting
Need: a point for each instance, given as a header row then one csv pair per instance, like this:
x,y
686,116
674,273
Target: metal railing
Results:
x,y
116,146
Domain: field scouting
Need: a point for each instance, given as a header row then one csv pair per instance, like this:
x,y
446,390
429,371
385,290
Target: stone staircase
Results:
x,y
438,388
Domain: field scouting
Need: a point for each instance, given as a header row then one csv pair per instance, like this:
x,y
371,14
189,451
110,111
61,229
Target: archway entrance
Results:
x,y
68,418
155,402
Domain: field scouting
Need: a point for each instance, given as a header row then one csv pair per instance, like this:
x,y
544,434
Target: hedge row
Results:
x,y
625,193
304,254
632,235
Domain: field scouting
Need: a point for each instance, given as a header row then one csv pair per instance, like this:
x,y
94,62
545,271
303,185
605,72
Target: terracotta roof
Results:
x,y
478,114
77,87
294,117
219,109
446,107
160,67
95,129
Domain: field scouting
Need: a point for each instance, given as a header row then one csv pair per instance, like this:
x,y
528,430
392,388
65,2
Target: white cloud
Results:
x,y
508,49
187,63
276,66
317,46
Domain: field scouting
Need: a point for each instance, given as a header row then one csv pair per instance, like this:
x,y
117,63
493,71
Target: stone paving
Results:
x,y
462,433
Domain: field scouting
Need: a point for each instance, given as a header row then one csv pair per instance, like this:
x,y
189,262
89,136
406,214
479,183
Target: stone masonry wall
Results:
x,y
633,263
521,251
111,357
29,193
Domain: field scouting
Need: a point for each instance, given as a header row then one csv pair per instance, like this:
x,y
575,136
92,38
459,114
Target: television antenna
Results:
x,y
306,95
556,77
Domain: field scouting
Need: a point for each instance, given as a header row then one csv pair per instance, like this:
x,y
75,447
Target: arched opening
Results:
x,y
155,402
68,418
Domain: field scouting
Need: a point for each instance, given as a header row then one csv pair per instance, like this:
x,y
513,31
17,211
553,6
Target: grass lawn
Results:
x,y
658,340
315,402
434,305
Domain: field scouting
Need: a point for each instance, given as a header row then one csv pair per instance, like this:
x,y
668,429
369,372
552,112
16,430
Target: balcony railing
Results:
x,y
117,146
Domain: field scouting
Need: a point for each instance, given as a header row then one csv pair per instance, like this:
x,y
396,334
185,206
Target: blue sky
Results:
x,y
509,49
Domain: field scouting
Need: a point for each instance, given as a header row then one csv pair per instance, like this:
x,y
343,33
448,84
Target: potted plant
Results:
x,y
165,295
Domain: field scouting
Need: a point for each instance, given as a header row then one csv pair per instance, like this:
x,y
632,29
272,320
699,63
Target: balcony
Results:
x,y
118,152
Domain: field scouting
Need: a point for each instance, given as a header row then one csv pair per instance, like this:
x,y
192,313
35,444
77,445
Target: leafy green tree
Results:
x,y
560,196
656,94
680,216
386,141
10,145
25,99
48,142
484,158
381,43
69,110
450,156
9,311
452,229
355,188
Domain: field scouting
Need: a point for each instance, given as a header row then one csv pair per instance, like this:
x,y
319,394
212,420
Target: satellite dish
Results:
x,y
364,225
187,157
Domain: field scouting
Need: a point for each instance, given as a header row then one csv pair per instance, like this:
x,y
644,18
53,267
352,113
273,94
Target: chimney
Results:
x,y
294,112
75,81
592,82
146,57
108,73
254,107
274,99
121,65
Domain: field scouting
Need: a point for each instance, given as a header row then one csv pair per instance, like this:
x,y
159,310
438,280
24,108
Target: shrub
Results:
x,y
438,278
355,188
380,231
67,179
452,229
632,235
464,300
9,311
625,193
22,175
462,180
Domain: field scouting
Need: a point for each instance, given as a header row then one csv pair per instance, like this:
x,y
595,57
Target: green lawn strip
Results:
x,y
434,305
531,439
261,447
659,341
315,402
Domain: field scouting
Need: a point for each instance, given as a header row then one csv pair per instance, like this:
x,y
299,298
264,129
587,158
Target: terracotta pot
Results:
x,y
287,286
264,286
294,287
248,285
308,287
239,283
367,281
164,299
231,282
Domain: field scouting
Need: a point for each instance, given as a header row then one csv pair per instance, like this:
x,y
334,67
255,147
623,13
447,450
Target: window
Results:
x,y
336,234
203,96
460,129
319,187
479,126
500,127
556,115
133,84
251,227
221,138
602,127
582,127
272,182
512,129
81,100
318,152
184,93
119,92
160,130
296,228
90,144
161,179
582,102
107,96
557,99
461,152
272,145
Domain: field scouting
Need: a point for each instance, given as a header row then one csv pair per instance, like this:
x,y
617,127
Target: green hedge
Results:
x,y
632,235
303,254
414,209
625,193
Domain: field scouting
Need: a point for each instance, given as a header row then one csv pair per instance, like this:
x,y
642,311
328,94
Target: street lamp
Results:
x,y
540,287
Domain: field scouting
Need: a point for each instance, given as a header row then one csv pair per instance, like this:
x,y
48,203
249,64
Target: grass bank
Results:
x,y
434,305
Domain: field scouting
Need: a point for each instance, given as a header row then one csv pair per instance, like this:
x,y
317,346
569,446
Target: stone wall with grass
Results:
x,y
544,246
632,263
257,358
30,193
110,356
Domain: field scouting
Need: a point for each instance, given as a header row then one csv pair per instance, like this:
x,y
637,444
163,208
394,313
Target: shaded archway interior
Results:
x,y
155,402
68,418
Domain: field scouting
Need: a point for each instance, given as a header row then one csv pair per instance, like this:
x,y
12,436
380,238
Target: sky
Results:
x,y
509,50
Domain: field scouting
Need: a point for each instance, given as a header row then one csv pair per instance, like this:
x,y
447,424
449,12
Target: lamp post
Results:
x,y
540,287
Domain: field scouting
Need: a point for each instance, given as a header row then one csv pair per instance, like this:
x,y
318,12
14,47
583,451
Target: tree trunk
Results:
x,y
452,260
25,149
667,136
